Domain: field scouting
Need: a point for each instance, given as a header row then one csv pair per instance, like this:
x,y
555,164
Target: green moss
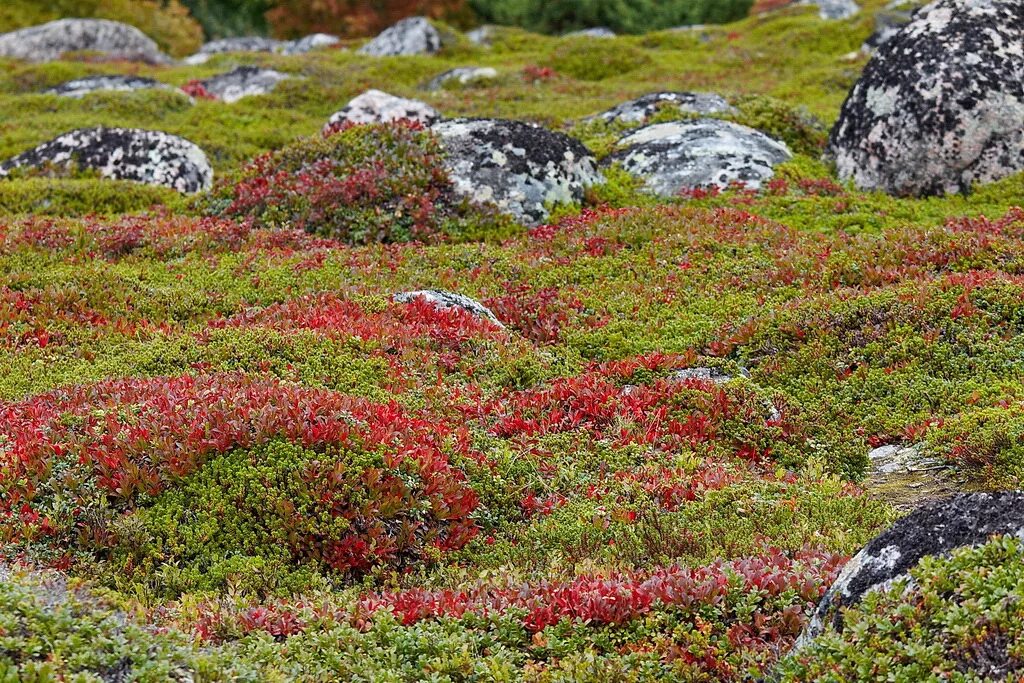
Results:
x,y
578,58
73,197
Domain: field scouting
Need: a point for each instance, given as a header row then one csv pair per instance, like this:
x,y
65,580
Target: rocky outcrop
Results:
x,y
446,300
642,108
940,107
672,157
519,167
374,106
464,75
47,42
81,87
412,36
244,81
145,156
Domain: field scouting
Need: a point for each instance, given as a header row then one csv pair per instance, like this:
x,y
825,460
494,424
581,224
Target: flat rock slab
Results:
x,y
519,167
940,107
938,528
144,156
643,108
596,32
677,156
446,300
375,106
48,42
412,36
83,86
463,75
905,478
245,81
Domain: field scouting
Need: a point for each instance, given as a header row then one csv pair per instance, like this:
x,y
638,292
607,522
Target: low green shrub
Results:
x,y
578,58
80,197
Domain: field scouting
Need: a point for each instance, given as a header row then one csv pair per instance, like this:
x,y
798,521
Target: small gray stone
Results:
x,y
706,374
672,157
642,108
244,81
145,156
236,44
316,41
443,299
519,167
463,75
83,86
48,42
374,106
412,36
596,32
833,10
482,36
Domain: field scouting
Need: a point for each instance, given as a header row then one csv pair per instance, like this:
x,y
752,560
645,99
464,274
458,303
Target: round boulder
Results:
x,y
81,87
48,42
375,106
445,300
519,167
938,528
242,82
145,156
412,36
682,155
642,108
940,107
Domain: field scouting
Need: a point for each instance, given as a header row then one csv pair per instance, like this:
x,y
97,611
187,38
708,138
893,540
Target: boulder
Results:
x,y
519,167
672,157
642,108
412,36
938,528
81,87
596,32
833,10
482,36
464,75
312,42
145,156
47,42
374,106
887,24
442,299
940,107
243,82
236,44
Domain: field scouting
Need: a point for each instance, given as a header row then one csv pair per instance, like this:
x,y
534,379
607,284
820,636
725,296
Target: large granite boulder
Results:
x,y
935,529
940,107
47,42
519,167
412,36
244,81
375,106
642,108
145,156
683,155
446,300
80,87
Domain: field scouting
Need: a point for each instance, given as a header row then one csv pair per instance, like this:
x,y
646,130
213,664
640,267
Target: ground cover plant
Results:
x,y
229,452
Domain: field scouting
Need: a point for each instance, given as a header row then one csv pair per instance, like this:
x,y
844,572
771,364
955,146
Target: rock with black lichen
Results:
x,y
446,300
519,167
80,87
375,106
144,156
682,155
245,81
940,107
412,36
642,108
48,42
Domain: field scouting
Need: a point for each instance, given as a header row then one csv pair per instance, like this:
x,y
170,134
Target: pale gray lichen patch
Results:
x,y
642,108
375,106
412,36
245,81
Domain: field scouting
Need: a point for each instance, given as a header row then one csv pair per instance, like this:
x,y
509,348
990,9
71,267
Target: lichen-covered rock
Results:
x,y
596,32
519,167
672,157
935,529
80,87
236,44
412,36
642,108
316,41
443,299
242,82
833,10
145,156
47,42
940,107
716,375
463,75
374,106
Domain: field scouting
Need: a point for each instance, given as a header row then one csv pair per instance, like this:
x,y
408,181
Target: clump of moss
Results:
x,y
797,127
80,197
578,58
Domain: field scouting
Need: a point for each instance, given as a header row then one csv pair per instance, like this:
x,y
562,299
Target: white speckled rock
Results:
x,y
715,375
374,106
244,81
596,32
47,42
412,36
940,107
145,156
935,529
835,9
236,44
443,299
463,75
316,41
642,108
676,156
519,167
83,86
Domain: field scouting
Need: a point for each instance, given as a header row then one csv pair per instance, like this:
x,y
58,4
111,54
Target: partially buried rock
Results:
x,y
81,87
316,41
519,167
48,42
482,35
145,156
464,75
235,44
940,107
642,108
935,529
596,32
835,9
374,106
244,81
445,300
673,157
412,36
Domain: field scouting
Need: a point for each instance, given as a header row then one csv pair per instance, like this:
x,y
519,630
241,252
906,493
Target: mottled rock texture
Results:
x,y
81,87
463,75
375,106
244,81
412,36
642,108
47,42
444,299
